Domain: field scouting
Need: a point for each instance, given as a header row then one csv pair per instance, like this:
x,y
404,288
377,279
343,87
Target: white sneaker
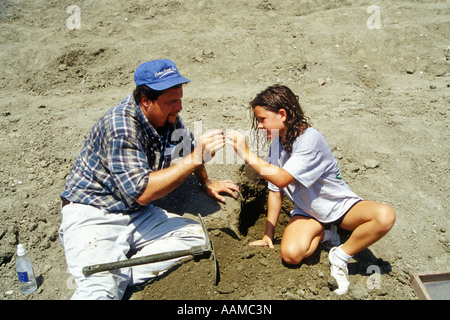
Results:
x,y
334,239
339,271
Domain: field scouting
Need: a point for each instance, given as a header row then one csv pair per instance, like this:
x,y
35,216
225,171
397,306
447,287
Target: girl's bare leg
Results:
x,y
300,239
369,221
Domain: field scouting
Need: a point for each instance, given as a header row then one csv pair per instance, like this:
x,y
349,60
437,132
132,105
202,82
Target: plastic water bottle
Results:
x,y
24,267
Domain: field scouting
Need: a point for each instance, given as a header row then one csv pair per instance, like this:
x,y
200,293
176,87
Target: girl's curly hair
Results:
x,y
278,97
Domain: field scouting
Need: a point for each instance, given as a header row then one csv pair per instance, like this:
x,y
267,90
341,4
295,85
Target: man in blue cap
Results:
x,y
107,210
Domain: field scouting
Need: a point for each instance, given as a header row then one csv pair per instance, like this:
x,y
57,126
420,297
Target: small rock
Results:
x,y
359,293
264,262
332,284
371,164
353,167
225,288
43,164
338,155
61,175
292,296
247,255
410,69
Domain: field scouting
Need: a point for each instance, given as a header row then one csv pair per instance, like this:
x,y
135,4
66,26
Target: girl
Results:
x,y
301,165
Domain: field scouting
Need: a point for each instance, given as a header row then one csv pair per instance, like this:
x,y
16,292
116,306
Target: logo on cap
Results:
x,y
165,72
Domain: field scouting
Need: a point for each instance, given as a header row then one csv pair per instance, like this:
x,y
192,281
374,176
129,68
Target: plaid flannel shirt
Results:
x,y
122,148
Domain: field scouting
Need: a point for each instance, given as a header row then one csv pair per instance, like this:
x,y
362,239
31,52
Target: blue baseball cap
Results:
x,y
158,75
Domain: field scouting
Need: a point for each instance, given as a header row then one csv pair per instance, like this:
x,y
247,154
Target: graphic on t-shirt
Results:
x,y
338,173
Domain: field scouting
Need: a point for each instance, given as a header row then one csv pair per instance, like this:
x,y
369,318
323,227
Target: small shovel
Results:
x,y
207,249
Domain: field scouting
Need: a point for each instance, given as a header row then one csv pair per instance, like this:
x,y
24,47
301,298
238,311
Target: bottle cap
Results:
x,y
20,250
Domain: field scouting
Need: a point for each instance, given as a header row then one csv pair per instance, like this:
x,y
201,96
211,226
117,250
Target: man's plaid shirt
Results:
x,y
120,151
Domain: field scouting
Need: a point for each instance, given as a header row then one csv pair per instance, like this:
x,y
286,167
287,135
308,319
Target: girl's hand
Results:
x,y
209,144
237,141
265,241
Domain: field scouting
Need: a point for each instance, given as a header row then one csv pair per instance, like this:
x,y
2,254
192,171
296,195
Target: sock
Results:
x,y
341,255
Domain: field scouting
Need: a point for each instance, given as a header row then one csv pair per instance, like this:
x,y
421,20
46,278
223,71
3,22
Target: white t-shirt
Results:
x,y
318,190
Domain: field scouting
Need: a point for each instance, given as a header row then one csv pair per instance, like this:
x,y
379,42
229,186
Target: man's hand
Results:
x,y
215,188
208,145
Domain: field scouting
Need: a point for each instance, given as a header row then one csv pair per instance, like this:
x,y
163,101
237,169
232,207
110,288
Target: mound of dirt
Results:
x,y
373,79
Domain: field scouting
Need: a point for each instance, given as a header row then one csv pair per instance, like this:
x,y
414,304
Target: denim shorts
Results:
x,y
328,225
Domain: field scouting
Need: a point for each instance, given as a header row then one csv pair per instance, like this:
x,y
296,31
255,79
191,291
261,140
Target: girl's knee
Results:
x,y
300,239
291,255
291,259
386,217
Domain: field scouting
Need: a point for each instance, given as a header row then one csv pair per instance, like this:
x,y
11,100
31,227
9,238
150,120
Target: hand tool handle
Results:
x,y
88,270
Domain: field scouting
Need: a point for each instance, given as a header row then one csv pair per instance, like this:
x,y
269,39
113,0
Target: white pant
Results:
x,y
92,236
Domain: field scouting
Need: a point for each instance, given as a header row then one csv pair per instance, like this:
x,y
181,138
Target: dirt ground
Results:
x,y
373,79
